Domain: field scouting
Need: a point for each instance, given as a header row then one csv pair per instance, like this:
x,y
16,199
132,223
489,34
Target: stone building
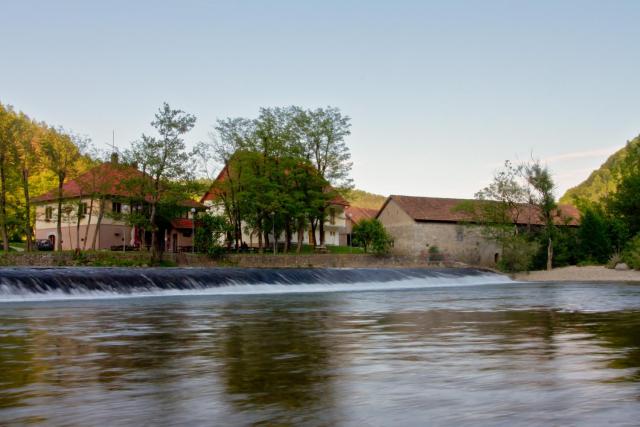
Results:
x,y
420,224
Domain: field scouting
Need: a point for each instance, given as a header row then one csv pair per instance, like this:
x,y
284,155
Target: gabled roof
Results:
x,y
214,192
106,178
357,214
438,209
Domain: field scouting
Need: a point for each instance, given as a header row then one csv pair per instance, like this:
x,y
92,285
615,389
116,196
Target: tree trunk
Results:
x,y
86,231
27,206
300,239
98,223
550,255
321,227
154,231
59,218
78,220
3,204
287,235
313,241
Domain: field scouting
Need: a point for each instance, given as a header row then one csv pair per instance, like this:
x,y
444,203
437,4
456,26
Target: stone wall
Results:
x,y
140,259
457,242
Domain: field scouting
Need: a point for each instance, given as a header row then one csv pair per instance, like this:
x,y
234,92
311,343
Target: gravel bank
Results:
x,y
580,274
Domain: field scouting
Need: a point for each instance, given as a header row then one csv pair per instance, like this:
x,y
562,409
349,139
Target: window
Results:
x,y
48,213
459,234
116,207
332,216
82,209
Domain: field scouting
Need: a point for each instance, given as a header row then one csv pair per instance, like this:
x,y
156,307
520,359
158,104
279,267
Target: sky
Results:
x,y
439,93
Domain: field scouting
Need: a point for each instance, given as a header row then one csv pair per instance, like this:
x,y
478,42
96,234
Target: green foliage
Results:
x,y
593,237
281,170
614,259
211,233
518,253
371,234
631,254
603,181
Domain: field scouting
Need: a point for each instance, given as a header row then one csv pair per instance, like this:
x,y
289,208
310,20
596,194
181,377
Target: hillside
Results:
x,y
602,181
362,199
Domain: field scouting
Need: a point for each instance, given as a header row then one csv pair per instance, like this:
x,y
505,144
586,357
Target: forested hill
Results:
x,y
362,199
602,181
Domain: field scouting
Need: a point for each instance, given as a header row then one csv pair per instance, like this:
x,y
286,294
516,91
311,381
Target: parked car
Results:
x,y
44,245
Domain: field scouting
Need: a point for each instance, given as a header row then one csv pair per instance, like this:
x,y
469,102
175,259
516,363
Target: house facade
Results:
x,y
82,213
420,224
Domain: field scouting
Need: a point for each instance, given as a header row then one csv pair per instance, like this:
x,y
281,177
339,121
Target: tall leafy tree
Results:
x,y
543,198
61,154
162,159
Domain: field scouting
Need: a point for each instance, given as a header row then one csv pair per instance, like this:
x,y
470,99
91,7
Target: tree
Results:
x,y
26,134
323,143
539,178
370,233
212,231
162,159
7,118
61,154
593,235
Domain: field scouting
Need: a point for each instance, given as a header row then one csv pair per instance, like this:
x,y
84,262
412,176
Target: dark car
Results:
x,y
44,245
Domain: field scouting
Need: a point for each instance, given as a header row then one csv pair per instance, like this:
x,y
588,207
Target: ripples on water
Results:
x,y
504,354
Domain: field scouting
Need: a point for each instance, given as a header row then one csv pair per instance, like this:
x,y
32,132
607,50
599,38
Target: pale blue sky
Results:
x,y
439,93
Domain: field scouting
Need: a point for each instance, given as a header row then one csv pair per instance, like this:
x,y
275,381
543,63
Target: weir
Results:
x,y
80,282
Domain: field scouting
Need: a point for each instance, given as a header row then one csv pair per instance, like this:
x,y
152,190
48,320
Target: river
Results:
x,y
314,347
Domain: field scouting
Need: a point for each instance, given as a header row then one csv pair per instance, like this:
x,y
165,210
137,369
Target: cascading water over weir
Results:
x,y
18,284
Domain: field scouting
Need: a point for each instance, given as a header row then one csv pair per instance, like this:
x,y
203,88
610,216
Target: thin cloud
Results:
x,y
600,152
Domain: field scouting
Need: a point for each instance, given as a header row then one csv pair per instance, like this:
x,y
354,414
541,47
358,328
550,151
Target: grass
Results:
x,y
13,246
308,250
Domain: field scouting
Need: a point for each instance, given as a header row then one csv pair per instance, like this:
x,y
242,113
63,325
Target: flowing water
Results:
x,y
314,347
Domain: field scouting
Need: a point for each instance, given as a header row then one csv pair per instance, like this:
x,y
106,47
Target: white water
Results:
x,y
13,294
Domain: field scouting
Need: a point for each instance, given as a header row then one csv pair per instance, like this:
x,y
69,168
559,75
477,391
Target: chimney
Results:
x,y
114,158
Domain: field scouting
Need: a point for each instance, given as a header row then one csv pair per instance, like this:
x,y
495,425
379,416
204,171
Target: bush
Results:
x,y
517,254
615,259
370,233
631,253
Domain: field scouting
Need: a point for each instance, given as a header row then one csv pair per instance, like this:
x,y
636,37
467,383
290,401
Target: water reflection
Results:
x,y
318,359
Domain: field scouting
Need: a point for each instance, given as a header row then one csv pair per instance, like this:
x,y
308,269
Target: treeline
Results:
x,y
279,173
610,231
34,156
282,170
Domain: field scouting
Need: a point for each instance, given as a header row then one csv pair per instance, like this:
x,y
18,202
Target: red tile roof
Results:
x,y
107,178
357,214
184,223
444,210
214,192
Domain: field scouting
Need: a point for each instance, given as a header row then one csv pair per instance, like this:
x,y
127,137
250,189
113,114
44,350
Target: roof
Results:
x,y
215,192
188,203
184,223
106,178
444,210
357,214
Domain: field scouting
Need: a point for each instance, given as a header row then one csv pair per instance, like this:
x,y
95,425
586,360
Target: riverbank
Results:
x,y
141,259
580,274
